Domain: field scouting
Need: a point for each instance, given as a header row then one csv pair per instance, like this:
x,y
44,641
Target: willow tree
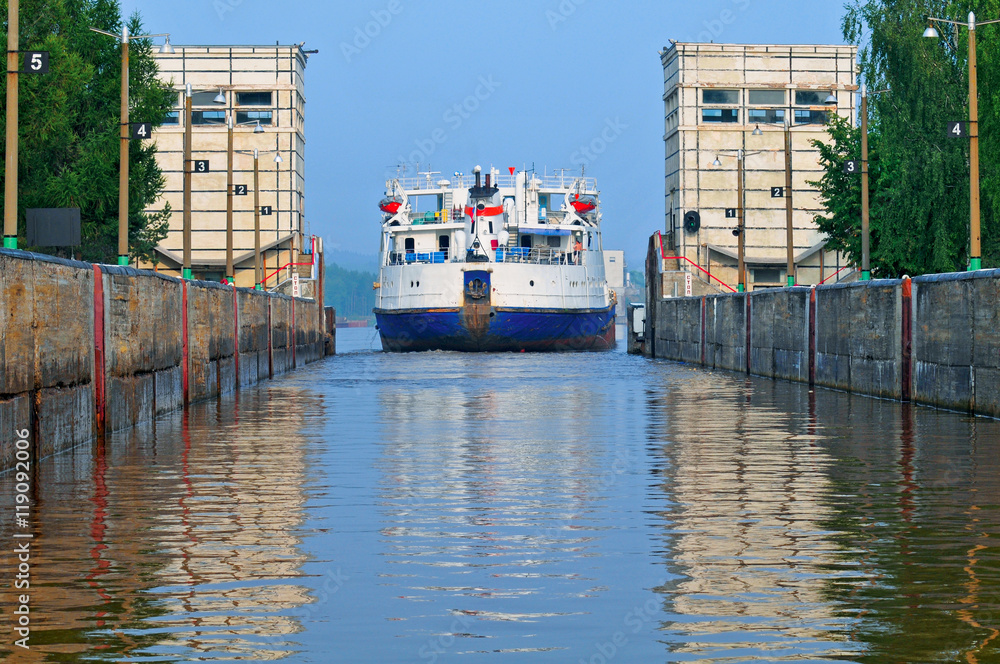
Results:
x,y
69,123
920,176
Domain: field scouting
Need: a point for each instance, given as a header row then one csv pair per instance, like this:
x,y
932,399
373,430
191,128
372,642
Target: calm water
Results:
x,y
520,508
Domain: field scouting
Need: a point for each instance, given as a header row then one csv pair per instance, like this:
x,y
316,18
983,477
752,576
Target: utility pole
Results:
x,y
10,175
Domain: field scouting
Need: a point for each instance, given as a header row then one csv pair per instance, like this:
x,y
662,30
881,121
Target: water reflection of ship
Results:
x,y
465,491
191,546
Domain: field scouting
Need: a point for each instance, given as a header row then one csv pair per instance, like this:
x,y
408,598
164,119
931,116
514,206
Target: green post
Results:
x,y
975,264
187,274
866,275
123,261
791,280
739,288
10,242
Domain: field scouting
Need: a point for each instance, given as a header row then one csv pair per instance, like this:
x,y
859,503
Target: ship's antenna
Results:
x,y
428,175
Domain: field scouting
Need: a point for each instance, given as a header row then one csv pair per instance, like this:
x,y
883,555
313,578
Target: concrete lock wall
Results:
x,y
933,340
726,332
779,333
859,338
89,349
956,353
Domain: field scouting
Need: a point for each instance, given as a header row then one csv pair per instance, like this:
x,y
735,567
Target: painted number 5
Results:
x,y
36,62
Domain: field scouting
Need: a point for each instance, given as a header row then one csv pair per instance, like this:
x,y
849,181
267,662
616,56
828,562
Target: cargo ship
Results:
x,y
512,263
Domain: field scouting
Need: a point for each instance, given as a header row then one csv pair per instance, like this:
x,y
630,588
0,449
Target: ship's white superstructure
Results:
x,y
492,262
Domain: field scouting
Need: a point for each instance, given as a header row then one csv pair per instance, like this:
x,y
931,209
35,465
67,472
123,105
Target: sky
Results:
x,y
453,83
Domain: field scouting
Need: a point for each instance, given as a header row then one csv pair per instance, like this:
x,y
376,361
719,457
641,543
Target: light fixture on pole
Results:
x,y
186,272
10,174
740,231
258,271
866,272
123,132
789,193
258,129
975,250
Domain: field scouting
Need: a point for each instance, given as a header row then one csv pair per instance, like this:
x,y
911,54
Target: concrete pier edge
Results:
x,y
933,339
87,349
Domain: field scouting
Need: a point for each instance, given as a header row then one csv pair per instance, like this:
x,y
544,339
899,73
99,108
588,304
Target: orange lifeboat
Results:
x,y
390,205
584,204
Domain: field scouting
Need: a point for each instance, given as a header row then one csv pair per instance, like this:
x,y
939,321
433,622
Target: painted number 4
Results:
x,y
958,129
142,130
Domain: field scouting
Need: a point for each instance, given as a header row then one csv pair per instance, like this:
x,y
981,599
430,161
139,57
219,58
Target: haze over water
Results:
x,y
594,507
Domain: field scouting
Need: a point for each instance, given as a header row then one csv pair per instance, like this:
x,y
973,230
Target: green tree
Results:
x,y
349,292
69,124
920,177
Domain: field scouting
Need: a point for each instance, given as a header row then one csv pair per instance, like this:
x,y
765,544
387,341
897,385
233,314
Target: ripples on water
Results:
x,y
556,508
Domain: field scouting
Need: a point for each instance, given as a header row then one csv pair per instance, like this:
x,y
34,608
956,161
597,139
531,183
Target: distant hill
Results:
x,y
350,292
350,260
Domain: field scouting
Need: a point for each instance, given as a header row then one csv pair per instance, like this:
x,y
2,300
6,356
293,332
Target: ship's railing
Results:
x,y
527,255
457,215
538,256
553,181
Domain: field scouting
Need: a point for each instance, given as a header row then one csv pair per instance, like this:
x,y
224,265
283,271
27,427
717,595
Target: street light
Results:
x,y
866,273
188,94
123,168
975,253
740,231
10,175
230,269
258,272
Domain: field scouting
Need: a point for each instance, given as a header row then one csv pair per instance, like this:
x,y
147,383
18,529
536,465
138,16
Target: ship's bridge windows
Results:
x,y
554,241
526,241
444,244
410,245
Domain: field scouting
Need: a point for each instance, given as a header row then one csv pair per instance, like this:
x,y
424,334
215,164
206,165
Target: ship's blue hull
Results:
x,y
496,329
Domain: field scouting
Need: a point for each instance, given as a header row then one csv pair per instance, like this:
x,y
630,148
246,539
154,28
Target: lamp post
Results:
x,y
258,271
789,228
975,253
10,175
740,231
789,192
188,103
230,269
123,151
